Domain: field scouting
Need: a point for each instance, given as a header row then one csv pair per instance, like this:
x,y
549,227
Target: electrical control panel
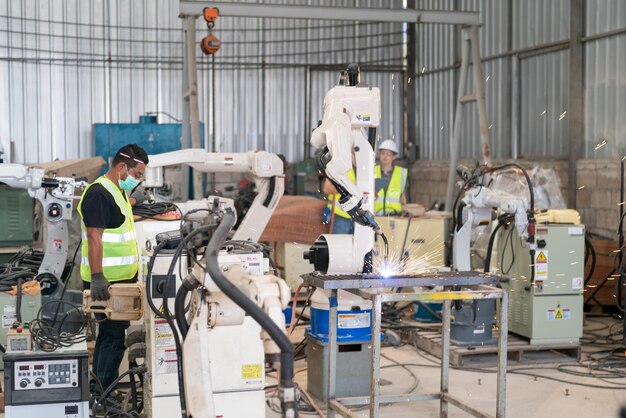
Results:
x,y
45,374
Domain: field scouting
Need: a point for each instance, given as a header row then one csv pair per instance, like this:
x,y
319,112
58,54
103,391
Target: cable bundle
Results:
x,y
153,210
48,335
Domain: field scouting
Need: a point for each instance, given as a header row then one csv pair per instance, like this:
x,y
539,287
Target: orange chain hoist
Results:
x,y
210,44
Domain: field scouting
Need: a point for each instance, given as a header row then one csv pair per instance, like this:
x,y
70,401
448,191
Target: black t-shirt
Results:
x,y
100,210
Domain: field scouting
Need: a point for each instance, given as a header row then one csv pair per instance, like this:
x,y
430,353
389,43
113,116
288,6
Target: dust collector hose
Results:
x,y
250,307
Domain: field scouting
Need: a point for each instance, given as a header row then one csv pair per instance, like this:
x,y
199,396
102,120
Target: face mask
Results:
x,y
129,183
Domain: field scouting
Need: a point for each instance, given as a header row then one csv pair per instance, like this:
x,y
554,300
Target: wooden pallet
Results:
x,y
518,350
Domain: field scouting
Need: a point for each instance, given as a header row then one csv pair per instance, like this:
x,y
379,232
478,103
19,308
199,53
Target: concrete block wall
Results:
x,y
598,201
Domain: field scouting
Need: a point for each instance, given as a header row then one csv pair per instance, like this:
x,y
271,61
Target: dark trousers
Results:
x,y
110,346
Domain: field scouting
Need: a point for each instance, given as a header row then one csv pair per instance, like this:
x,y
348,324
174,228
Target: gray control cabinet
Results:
x,y
547,306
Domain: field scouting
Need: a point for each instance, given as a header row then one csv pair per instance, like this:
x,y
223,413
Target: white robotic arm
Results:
x,y
477,205
21,177
56,196
264,169
346,137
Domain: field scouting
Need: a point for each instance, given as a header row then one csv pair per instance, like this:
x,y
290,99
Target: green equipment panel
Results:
x,y
16,217
546,305
30,308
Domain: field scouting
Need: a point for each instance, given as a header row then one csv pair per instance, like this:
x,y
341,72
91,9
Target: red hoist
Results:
x,y
210,44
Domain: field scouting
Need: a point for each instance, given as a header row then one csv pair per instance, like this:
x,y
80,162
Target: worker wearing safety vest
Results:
x,y
109,250
341,221
390,181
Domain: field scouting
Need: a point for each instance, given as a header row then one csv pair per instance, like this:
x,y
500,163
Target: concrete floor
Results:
x,y
526,397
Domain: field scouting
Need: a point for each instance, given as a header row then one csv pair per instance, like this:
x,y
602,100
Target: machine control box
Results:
x,y
45,374
52,384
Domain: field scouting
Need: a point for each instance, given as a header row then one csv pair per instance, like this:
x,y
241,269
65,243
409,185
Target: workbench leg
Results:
x,y
375,356
332,351
502,354
445,358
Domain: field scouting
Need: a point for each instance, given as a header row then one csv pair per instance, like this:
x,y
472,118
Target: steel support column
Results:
x,y
192,93
575,110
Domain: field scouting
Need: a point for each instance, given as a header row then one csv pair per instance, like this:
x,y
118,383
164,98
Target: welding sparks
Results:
x,y
581,187
562,115
600,145
543,113
406,264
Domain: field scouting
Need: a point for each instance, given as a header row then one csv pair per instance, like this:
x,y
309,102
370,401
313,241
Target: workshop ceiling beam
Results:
x,y
279,11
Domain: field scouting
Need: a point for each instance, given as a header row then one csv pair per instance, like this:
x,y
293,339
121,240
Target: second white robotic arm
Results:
x,y
475,210
264,169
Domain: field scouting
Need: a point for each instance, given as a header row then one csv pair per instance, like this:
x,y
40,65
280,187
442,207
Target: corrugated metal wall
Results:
x,y
605,80
65,64
533,123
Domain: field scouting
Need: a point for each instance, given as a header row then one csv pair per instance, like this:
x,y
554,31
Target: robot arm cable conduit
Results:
x,y
287,387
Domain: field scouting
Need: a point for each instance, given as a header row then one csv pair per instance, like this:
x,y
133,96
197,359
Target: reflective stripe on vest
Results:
x,y
333,199
108,237
120,256
389,201
114,261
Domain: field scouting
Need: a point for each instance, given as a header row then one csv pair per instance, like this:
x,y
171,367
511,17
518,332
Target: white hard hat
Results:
x,y
389,145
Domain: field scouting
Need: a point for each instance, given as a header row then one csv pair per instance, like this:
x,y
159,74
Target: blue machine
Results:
x,y
354,318
425,315
154,137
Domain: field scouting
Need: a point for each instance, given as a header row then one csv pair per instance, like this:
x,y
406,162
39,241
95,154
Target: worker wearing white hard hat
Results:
x,y
390,181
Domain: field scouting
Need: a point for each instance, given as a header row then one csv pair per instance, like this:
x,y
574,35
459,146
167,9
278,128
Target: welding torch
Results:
x,y
365,218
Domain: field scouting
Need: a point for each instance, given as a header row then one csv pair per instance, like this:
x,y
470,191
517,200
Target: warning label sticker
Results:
x,y
577,283
8,316
251,371
541,265
57,245
357,320
166,361
163,336
542,257
559,314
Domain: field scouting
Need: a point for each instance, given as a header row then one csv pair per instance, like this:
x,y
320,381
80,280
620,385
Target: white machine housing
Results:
x,y
224,354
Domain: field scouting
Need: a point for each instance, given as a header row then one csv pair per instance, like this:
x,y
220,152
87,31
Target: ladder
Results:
x,y
469,45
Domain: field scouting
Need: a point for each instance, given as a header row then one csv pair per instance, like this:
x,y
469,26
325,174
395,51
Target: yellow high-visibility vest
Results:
x,y
333,199
120,255
388,201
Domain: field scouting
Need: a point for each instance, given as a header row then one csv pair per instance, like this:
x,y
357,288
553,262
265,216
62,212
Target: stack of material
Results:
x,y
296,219
80,167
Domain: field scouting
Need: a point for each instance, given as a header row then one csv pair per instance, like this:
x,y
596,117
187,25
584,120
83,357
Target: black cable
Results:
x,y
113,385
306,302
501,222
48,336
153,210
148,285
591,252
18,301
507,239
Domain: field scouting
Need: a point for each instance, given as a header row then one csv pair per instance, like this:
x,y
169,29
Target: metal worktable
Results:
x,y
455,286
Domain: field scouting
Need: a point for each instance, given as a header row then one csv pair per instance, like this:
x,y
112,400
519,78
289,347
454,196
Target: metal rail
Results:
x,y
284,11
